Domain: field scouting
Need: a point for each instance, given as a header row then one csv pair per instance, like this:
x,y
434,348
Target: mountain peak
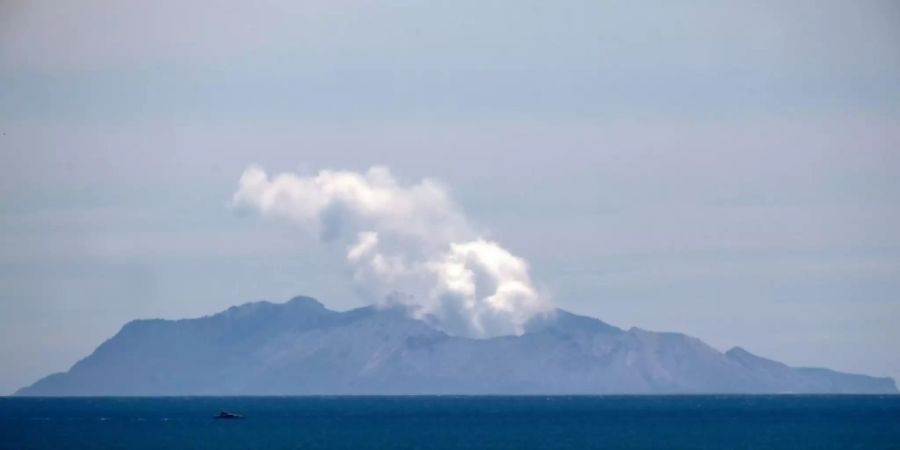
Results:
x,y
560,320
302,300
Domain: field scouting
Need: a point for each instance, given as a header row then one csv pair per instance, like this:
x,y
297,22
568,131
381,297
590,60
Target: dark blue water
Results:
x,y
788,422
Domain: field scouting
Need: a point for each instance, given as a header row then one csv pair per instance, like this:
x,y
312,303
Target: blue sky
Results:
x,y
729,171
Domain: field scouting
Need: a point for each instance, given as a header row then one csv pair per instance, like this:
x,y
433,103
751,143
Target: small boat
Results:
x,y
227,415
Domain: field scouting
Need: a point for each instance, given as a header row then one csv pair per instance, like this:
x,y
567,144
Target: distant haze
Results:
x,y
730,170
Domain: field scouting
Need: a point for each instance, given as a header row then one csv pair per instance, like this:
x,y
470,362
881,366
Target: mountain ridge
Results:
x,y
300,347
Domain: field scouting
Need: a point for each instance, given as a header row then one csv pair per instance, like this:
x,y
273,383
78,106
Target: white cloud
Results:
x,y
407,245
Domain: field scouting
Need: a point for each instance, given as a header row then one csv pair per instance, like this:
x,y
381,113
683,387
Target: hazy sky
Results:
x,y
729,171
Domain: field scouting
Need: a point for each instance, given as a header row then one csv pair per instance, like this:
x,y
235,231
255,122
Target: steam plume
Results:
x,y
406,245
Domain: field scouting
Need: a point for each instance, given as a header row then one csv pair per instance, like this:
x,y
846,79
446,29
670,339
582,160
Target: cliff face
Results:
x,y
300,347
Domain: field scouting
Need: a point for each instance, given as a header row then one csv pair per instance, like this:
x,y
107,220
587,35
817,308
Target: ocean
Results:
x,y
450,422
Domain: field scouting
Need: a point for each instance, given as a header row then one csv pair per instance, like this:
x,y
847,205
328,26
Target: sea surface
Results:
x,y
679,422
